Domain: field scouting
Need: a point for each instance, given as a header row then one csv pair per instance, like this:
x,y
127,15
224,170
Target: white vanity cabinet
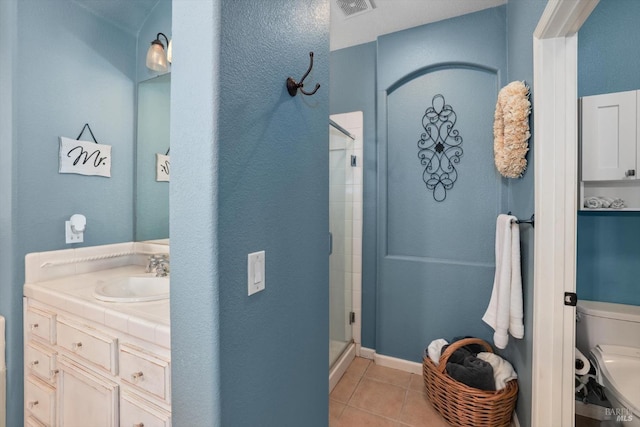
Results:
x,y
610,148
82,373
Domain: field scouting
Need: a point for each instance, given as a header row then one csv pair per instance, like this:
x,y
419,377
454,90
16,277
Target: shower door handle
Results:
x,y
330,243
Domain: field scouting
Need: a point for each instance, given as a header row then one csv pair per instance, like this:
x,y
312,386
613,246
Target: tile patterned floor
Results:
x,y
375,396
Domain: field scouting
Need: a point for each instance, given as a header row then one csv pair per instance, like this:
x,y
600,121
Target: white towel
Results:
x,y
504,313
503,371
435,350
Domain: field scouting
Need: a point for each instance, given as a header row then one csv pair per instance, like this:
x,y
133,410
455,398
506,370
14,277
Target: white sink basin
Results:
x,y
142,288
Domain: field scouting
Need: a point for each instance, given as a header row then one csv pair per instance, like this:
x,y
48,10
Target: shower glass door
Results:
x,y
341,229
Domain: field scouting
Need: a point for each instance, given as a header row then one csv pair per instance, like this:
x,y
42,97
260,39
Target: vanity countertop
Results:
x,y
73,293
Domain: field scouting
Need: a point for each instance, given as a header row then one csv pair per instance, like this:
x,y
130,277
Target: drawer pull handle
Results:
x,y
138,425
33,326
54,372
34,363
33,403
630,172
137,376
76,346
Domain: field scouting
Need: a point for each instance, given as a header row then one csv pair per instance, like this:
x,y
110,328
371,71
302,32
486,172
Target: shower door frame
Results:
x,y
352,123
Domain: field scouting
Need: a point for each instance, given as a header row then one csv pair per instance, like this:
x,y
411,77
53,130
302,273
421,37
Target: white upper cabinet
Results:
x,y
610,137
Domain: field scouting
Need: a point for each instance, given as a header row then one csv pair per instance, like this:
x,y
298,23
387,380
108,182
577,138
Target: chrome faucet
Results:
x,y
158,263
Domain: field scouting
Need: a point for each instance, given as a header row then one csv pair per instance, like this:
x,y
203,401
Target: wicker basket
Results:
x,y
466,406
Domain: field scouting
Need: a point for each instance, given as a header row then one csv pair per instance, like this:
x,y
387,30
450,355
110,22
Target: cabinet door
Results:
x,y
609,137
85,398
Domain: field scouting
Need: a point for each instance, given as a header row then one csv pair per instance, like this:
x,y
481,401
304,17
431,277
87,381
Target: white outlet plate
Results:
x,y
255,272
70,236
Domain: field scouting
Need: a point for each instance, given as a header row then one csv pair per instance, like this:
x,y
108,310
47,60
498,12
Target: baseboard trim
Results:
x,y
391,362
514,421
367,353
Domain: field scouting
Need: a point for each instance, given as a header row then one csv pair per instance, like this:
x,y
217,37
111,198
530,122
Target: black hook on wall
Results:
x,y
293,86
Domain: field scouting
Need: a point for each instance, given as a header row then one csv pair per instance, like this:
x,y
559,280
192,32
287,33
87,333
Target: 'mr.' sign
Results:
x,y
84,157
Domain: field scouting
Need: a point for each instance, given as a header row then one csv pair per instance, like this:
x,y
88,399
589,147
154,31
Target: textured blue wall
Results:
x,y
353,88
604,62
88,77
522,18
256,167
607,268
10,264
435,260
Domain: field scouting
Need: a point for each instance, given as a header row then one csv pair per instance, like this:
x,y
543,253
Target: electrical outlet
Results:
x,y
70,236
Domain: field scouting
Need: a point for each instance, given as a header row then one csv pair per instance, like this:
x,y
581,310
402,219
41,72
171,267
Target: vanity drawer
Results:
x,y
89,344
40,399
136,413
145,371
40,361
41,324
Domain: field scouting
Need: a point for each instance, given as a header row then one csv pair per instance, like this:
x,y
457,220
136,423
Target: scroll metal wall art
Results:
x,y
440,148
84,157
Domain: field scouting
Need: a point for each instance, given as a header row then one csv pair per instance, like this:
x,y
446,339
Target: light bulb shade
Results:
x,y
169,52
156,58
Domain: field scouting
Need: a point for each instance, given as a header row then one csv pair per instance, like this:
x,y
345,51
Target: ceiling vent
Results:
x,y
351,8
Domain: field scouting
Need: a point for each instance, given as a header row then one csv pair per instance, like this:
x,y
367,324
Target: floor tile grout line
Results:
x,y
404,403
373,413
356,387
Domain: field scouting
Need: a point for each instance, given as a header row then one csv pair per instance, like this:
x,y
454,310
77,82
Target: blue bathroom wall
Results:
x,y
252,175
607,267
604,61
436,259
10,291
522,19
353,88
85,76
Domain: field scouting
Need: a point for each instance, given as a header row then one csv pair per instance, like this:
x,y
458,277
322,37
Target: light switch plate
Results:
x,y
255,272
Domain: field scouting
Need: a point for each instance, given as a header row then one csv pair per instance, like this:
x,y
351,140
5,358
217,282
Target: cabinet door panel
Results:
x,y
85,398
609,136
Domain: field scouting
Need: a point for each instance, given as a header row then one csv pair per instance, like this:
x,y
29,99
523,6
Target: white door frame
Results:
x,y
555,100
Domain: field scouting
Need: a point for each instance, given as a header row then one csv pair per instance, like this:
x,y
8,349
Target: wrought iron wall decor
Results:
x,y
440,148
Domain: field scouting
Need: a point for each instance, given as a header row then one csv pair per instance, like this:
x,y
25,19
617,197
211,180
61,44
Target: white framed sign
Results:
x,y
162,167
84,157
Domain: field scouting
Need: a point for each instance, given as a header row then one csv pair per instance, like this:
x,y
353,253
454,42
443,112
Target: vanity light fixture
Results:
x,y
157,59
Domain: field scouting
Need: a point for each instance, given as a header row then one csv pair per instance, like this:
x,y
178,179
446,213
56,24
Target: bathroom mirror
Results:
x,y
152,196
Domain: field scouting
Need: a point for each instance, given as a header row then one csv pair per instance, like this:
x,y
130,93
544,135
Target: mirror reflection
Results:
x,y
152,193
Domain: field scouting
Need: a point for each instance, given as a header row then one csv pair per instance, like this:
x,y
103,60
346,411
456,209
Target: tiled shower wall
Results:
x,y
345,202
